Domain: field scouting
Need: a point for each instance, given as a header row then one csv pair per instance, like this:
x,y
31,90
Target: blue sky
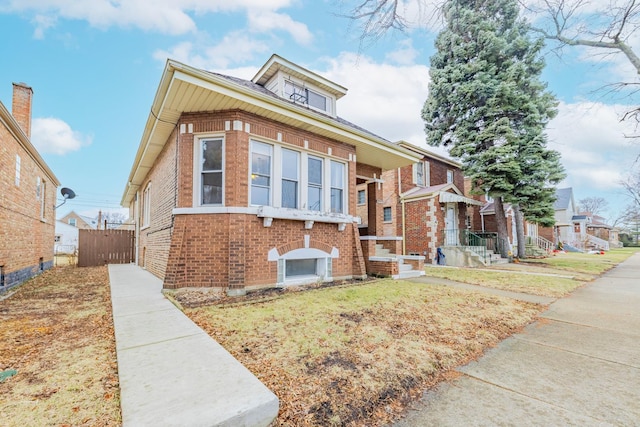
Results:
x,y
95,66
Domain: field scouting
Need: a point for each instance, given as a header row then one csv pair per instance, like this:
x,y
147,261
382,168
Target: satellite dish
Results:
x,y
67,193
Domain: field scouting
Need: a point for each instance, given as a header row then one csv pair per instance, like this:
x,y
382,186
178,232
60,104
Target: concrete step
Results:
x,y
382,252
411,273
406,267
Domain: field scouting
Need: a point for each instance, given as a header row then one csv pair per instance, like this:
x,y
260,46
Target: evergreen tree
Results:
x,y
488,106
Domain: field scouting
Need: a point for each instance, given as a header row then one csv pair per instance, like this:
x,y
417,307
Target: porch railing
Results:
x,y
597,242
540,242
470,240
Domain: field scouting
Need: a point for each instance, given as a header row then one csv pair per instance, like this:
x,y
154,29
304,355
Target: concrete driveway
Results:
x,y
578,365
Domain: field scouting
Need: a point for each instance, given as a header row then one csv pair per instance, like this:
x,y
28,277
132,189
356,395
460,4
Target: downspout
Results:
x,y
482,220
137,225
404,245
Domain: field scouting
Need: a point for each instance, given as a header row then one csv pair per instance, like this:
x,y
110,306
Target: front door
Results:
x,y
451,226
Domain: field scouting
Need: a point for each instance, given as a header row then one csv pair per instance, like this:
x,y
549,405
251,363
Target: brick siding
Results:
x,y
27,238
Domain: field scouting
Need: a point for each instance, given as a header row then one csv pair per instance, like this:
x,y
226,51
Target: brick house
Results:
x,y
240,183
27,196
424,205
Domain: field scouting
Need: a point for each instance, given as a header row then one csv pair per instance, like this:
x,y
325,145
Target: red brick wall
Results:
x,y
26,237
154,241
230,250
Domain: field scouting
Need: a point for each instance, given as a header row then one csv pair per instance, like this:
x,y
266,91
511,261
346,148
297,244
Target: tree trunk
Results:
x,y
501,223
520,232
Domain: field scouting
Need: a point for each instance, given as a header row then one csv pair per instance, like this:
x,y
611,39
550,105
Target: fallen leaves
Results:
x,y
58,334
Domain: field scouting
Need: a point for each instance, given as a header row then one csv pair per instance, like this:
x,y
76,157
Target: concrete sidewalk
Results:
x,y
171,372
578,365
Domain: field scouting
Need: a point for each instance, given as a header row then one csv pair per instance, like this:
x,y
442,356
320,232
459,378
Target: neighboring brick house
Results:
x,y
250,183
27,196
423,205
81,222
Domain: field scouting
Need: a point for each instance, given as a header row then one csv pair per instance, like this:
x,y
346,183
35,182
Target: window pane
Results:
x,y
300,267
420,173
336,200
361,197
211,188
289,194
337,185
316,100
260,174
315,197
290,162
260,196
315,171
386,214
212,155
337,175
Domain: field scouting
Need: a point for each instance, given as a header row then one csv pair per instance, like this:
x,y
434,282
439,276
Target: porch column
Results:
x,y
374,212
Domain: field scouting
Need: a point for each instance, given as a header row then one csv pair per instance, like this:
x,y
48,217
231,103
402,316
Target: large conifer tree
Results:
x,y
488,106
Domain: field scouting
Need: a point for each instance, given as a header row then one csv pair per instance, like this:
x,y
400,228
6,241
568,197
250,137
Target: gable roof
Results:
x,y
186,89
563,197
447,193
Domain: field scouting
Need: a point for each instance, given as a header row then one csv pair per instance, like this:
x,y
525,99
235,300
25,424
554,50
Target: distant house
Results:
x,y
81,222
27,196
66,238
423,204
241,184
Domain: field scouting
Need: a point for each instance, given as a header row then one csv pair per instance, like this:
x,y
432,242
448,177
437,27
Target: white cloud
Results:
x,y
236,47
383,98
267,20
405,54
51,135
595,152
164,16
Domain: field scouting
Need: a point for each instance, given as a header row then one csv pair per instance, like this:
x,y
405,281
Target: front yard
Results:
x,y
350,354
57,351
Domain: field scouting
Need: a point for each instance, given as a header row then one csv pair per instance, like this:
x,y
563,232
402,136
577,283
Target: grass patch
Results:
x,y
586,263
548,286
355,355
57,333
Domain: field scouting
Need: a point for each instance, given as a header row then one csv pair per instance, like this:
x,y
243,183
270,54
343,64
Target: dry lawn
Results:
x,y
582,263
357,354
516,281
57,333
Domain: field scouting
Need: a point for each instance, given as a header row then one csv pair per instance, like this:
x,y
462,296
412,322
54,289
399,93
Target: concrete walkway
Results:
x,y
578,365
171,372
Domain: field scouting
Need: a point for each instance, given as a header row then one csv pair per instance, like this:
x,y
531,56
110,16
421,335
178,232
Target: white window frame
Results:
x,y
197,169
273,195
450,176
344,187
384,211
307,185
303,182
364,199
302,97
146,206
72,222
297,178
42,189
18,161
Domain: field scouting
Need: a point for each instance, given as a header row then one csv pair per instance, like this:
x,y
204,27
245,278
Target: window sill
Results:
x,y
270,213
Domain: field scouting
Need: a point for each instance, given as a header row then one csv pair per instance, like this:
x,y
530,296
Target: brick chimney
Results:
x,y
21,106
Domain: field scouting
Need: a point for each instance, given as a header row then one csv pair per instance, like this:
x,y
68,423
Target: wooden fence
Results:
x,y
100,247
